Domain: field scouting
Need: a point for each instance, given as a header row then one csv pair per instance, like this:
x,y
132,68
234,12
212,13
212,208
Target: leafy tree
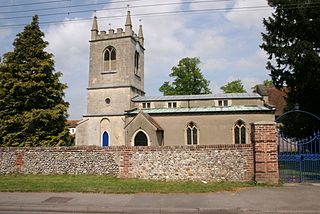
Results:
x,y
32,109
235,86
268,83
293,44
188,79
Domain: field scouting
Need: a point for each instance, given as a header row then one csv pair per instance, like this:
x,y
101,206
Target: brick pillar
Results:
x,y
19,164
125,163
265,143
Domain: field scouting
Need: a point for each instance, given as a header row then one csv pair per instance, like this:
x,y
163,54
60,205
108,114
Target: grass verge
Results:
x,y
106,184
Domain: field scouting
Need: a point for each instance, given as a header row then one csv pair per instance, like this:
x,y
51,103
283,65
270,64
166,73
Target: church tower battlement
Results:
x,y
116,68
112,34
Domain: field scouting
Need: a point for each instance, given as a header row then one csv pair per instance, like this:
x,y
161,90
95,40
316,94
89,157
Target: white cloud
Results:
x,y
69,43
252,62
247,17
206,5
215,64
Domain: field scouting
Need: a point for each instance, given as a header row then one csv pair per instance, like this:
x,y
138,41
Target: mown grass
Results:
x,y
106,184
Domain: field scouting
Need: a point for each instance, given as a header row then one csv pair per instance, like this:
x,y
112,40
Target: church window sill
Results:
x,y
108,72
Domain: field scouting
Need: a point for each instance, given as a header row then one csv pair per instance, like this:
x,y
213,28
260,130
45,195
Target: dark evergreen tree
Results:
x,y
32,108
293,43
188,79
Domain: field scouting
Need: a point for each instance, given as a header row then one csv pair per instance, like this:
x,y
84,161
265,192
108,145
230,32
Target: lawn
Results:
x,y
105,184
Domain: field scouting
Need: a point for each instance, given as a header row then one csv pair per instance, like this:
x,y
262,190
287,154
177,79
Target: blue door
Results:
x,y
105,139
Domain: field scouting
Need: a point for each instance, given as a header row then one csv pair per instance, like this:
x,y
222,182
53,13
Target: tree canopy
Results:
x,y
293,44
235,86
188,79
32,108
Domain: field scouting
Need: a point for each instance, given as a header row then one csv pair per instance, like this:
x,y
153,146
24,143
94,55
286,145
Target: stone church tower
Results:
x,y
116,75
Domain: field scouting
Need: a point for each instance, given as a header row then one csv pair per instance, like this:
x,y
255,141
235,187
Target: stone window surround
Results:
x,y
146,105
222,103
112,59
172,104
244,124
186,135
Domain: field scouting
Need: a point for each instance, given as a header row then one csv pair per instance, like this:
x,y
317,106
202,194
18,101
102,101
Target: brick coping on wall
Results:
x,y
125,148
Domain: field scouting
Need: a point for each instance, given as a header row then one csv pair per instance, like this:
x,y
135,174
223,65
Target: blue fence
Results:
x,y
299,159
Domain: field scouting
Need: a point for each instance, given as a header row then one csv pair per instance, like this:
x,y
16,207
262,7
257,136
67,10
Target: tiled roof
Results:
x,y
202,110
197,97
276,97
71,123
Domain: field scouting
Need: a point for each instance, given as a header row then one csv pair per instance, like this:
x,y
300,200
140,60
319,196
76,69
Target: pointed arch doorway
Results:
x,y
105,139
140,139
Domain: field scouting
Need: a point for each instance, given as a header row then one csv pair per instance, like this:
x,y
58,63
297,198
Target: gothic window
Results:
x,y
136,62
192,134
109,59
140,139
240,132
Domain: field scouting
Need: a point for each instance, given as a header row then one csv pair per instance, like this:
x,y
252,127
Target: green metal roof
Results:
x,y
242,108
197,97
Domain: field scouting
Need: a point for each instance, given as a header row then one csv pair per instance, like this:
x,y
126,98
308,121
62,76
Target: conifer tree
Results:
x,y
293,44
32,108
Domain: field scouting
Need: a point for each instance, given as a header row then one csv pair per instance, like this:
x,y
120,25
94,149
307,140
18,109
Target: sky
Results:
x,y
224,34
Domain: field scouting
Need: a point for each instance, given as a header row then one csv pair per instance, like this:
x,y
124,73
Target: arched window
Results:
x,y
105,139
192,134
240,132
109,58
140,139
136,62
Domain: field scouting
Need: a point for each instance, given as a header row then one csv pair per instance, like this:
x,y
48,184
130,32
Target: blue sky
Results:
x,y
226,38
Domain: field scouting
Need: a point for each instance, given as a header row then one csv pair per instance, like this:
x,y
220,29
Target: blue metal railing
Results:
x,y
299,159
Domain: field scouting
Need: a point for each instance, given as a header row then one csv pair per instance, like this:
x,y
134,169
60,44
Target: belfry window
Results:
x,y
110,58
192,134
240,132
136,62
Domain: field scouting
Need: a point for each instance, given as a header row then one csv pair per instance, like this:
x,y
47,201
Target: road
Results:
x,y
287,199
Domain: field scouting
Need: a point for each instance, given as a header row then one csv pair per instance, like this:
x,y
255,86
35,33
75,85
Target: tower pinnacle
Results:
x,y
94,29
128,24
140,35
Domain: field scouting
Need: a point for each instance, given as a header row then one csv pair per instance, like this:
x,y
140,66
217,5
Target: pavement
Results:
x,y
300,198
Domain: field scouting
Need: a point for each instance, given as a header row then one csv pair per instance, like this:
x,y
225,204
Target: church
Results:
x,y
119,113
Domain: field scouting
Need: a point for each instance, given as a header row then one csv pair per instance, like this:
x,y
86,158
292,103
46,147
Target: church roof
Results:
x,y
224,109
197,97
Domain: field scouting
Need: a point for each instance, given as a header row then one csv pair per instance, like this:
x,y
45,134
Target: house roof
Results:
x,y
197,97
72,123
276,97
203,110
261,89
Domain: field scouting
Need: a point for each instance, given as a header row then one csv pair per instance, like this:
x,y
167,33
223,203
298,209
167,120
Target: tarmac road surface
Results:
x,y
300,198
